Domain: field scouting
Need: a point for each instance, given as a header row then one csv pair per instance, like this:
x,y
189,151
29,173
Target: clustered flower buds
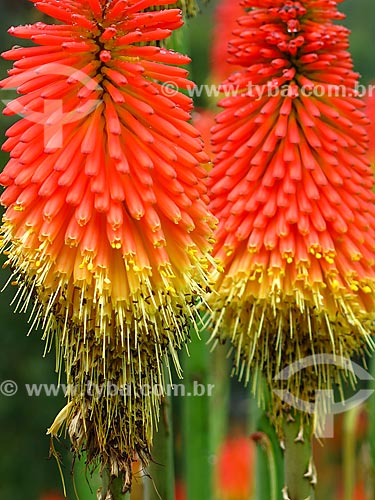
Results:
x,y
106,229
292,190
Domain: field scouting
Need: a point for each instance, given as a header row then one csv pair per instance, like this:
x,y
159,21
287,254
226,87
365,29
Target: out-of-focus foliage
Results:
x,y
361,21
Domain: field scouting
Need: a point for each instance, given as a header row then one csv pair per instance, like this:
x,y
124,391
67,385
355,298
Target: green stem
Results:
x,y
196,421
266,469
113,487
219,401
262,475
161,482
350,423
85,482
269,465
299,472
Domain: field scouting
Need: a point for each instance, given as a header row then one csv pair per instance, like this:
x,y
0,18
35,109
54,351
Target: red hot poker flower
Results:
x,y
370,109
291,188
226,14
235,469
107,222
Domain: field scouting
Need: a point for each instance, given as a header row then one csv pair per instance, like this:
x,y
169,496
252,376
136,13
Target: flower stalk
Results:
x,y
219,400
299,470
269,471
265,467
196,424
112,488
349,451
160,482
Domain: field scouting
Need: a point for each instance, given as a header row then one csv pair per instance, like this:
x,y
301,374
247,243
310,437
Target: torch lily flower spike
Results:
x,y
106,229
292,189
370,109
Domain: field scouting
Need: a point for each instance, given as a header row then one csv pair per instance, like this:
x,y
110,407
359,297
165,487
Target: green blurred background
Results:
x,y
26,473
